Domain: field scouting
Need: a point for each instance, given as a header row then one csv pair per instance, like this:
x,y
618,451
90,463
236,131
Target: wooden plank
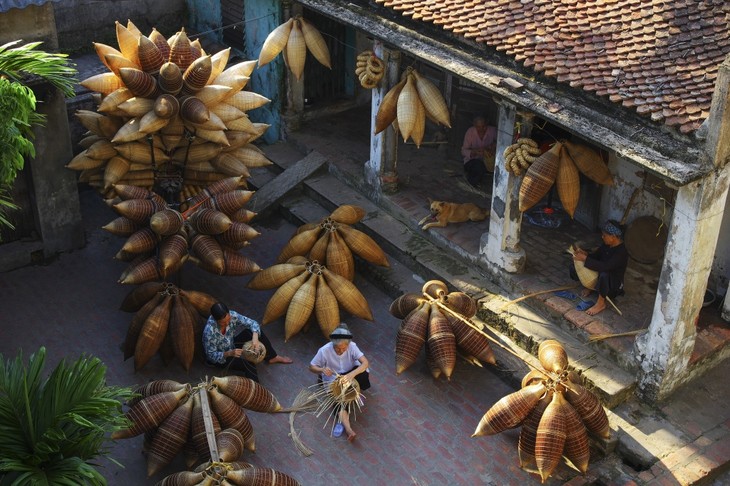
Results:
x,y
269,195
209,431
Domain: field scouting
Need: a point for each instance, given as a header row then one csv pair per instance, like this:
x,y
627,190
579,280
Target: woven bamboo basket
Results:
x,y
230,165
339,257
140,152
127,192
149,412
104,83
296,50
550,439
89,140
275,42
247,393
151,122
568,183
184,478
140,295
528,433
301,307
552,356
116,62
181,52
209,251
210,221
249,155
201,301
275,275
248,100
231,201
435,288
404,304
342,393
411,337
82,161
115,169
121,226
315,43
590,410
141,272
135,327
255,356
170,79
348,296
510,411
237,264
153,333
111,102
153,388
299,244
441,341
230,444
237,236
103,50
461,303
232,415
318,252
471,341
196,153
197,74
172,250
279,302
242,124
182,331
432,99
532,377
364,246
141,241
212,94
261,475
388,109
137,106
169,438
226,112
327,310
231,75
407,108
236,139
150,57
589,162
588,278
347,214
141,84
166,222
539,177
577,448
219,60
127,41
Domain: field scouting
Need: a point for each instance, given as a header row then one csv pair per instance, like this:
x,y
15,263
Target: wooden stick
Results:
x,y
614,305
558,289
599,337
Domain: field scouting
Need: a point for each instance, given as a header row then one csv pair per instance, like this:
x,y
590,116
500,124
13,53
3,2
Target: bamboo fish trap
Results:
x,y
588,278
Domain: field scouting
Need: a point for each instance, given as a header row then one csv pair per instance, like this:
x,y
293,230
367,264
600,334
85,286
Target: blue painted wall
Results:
x,y
263,16
204,16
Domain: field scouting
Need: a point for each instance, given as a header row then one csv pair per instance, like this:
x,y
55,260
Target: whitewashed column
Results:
x,y
502,247
380,170
665,350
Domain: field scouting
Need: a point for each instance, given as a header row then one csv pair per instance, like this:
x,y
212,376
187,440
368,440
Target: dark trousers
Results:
x,y
475,171
241,365
607,285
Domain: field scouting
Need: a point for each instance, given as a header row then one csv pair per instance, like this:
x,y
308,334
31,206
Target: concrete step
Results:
x,y
415,259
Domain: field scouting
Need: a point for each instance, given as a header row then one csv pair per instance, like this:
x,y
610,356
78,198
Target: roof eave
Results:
x,y
677,162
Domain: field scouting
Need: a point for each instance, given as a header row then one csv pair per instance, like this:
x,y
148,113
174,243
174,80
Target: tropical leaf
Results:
x,y
53,429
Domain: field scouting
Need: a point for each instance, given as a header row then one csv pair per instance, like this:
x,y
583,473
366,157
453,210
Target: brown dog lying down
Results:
x,y
444,212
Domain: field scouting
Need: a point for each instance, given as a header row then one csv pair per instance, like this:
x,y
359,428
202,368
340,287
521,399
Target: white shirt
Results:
x,y
327,357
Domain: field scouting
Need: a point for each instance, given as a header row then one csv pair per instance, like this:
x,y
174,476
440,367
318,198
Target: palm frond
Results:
x,y
52,428
6,205
16,62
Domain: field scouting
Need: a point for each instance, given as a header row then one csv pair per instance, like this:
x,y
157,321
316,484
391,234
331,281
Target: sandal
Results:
x,y
585,305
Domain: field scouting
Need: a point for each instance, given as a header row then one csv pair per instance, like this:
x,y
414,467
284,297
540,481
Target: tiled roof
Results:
x,y
657,57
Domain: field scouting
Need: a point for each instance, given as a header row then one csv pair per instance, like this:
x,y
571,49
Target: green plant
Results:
x,y
51,429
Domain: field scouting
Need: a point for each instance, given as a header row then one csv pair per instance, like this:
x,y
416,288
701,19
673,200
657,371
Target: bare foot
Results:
x,y
599,307
280,359
351,436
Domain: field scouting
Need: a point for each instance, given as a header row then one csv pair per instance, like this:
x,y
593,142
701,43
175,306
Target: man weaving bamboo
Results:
x,y
610,261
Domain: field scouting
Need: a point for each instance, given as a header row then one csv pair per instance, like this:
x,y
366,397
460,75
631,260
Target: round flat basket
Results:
x,y
645,239
254,356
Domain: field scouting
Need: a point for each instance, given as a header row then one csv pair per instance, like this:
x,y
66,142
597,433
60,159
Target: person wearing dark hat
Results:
x,y
341,357
224,335
610,261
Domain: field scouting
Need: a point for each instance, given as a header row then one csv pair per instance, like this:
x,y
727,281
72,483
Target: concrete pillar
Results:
x,y
665,350
58,214
502,247
380,170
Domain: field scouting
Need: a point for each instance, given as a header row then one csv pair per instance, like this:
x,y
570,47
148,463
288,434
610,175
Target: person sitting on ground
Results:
x,y
610,261
478,139
341,356
224,335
